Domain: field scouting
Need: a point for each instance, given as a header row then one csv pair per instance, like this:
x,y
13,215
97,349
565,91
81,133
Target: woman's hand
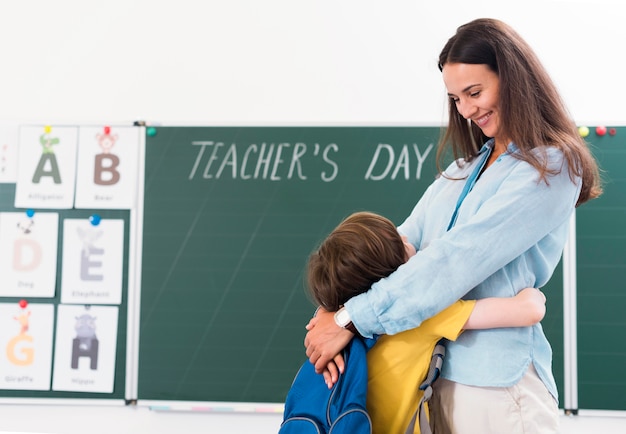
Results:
x,y
324,341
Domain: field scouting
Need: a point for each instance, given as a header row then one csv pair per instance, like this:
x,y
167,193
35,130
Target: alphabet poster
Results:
x,y
26,346
46,172
107,170
8,153
92,261
28,254
85,345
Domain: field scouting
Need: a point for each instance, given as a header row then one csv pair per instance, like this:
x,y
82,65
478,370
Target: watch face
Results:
x,y
343,317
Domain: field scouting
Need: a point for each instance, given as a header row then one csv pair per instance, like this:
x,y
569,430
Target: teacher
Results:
x,y
495,220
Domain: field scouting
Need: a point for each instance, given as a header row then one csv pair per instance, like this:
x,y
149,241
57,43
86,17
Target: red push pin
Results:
x,y
612,131
23,304
107,130
601,130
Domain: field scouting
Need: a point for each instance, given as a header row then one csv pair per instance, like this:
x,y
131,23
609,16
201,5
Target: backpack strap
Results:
x,y
436,362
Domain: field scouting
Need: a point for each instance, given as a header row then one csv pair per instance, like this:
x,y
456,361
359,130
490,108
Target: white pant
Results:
x,y
525,408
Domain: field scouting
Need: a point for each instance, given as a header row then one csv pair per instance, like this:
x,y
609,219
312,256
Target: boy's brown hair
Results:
x,y
364,248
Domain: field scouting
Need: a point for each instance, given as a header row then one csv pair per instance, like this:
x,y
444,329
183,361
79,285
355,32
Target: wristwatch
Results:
x,y
343,320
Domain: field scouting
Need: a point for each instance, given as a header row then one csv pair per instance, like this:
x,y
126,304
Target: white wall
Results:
x,y
280,62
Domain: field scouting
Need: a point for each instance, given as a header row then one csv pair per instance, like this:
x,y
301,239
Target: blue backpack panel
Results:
x,y
311,407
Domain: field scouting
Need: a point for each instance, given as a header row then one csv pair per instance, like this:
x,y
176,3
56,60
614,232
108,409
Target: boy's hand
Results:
x,y
535,301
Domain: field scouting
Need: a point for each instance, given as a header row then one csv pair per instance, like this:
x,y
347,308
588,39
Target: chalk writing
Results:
x,y
400,166
278,161
265,161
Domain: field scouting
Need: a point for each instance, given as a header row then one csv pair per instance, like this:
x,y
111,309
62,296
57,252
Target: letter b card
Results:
x,y
107,167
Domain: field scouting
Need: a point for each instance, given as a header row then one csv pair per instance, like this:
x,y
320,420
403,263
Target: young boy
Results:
x,y
366,247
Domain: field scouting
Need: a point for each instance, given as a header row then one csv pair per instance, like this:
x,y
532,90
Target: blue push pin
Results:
x,y
30,213
95,219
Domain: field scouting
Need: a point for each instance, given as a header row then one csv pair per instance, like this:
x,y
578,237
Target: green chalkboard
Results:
x,y
553,327
7,199
230,217
601,253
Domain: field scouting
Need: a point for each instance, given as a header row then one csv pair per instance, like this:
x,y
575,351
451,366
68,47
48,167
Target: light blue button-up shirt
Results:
x,y
509,234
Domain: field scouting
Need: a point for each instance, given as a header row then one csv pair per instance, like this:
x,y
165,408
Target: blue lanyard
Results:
x,y
469,184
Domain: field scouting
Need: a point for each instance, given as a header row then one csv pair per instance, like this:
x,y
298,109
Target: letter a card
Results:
x,y
26,342
108,159
92,261
28,254
46,171
85,346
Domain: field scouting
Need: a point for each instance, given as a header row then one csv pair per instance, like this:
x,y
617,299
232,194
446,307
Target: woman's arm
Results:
x,y
509,215
527,308
462,258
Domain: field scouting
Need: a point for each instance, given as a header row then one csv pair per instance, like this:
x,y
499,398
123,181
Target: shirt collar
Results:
x,y
488,146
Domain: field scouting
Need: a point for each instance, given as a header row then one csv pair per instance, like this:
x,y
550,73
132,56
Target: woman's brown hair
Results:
x,y
533,114
364,248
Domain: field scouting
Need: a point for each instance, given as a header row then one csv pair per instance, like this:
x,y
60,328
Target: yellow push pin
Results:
x,y
47,129
583,131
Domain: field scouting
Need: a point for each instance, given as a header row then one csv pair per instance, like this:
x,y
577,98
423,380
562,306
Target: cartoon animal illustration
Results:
x,y
48,165
26,226
47,142
88,237
106,141
23,319
85,344
20,350
106,163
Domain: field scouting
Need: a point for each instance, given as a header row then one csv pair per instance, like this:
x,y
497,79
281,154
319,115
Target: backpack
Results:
x,y
311,407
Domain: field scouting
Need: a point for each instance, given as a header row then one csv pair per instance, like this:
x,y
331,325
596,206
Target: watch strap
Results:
x,y
350,326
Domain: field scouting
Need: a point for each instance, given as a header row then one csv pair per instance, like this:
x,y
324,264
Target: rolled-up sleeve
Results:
x,y
507,213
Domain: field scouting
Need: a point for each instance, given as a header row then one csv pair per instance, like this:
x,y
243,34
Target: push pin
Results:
x,y
94,219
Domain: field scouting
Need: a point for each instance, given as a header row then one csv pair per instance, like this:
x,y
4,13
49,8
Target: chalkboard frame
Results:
x,y
554,326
